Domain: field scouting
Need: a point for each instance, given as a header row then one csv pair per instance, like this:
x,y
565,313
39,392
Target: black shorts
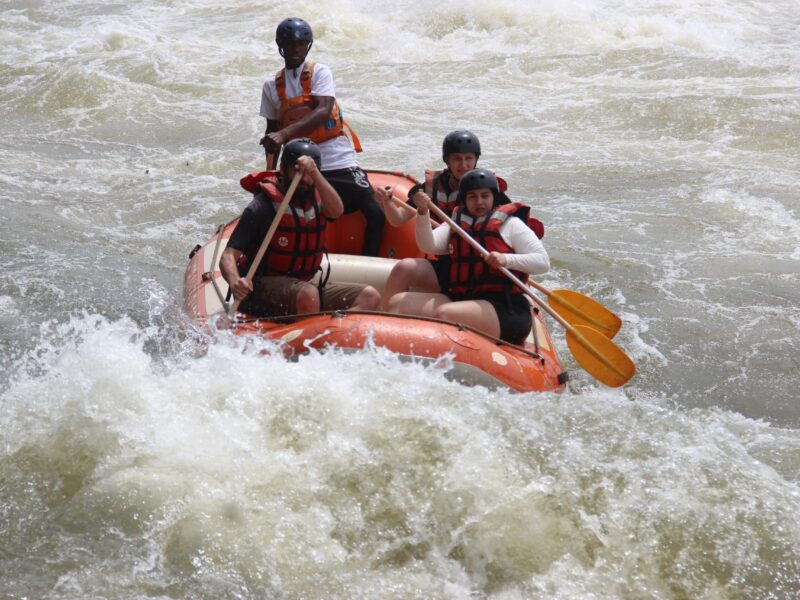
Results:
x,y
513,312
441,267
353,188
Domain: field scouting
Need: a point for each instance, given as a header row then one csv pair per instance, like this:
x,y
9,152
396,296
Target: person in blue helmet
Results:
x,y
299,101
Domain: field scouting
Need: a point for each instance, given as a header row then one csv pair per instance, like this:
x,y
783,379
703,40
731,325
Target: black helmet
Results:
x,y
460,141
300,147
293,29
476,180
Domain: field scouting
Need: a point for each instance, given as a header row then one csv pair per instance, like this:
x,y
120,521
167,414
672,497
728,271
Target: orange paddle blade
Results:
x,y
599,356
579,309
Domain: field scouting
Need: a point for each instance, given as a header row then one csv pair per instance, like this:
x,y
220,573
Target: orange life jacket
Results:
x,y
294,109
469,272
297,246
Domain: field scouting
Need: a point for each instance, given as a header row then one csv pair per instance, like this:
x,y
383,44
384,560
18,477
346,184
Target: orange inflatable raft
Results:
x,y
476,359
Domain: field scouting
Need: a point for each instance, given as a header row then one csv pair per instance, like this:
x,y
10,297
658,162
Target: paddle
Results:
x,y
575,307
593,351
580,309
268,238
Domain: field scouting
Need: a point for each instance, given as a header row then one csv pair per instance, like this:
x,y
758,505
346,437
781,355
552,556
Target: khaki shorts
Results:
x,y
275,296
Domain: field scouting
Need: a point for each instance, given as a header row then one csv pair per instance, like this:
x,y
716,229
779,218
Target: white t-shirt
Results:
x,y
337,153
529,253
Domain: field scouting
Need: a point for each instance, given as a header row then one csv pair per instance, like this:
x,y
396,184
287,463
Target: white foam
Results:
x,y
453,29
264,467
763,222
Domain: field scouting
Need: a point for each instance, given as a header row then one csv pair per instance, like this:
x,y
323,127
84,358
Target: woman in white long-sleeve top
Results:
x,y
478,294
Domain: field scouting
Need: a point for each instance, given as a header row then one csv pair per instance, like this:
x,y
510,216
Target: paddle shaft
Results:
x,y
268,238
516,280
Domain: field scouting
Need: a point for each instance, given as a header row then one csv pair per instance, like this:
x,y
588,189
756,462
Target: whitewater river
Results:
x,y
659,141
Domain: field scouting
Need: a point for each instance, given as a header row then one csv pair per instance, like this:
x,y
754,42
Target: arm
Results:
x,y
253,224
323,105
529,253
332,206
270,146
269,110
418,197
394,214
429,241
323,95
240,286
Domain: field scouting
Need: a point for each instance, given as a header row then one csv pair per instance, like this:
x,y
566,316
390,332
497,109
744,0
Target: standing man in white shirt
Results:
x,y
299,101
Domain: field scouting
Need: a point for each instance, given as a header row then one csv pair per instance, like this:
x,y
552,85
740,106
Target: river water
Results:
x,y
660,144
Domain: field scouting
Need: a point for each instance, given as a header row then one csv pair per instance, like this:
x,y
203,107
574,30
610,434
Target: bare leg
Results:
x,y
479,314
422,304
407,273
307,300
368,299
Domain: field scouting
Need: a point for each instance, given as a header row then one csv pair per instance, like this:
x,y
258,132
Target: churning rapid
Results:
x,y
142,458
